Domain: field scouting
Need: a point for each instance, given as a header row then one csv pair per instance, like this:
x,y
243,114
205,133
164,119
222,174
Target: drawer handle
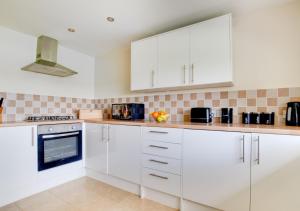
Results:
x,y
159,147
157,161
161,177
161,132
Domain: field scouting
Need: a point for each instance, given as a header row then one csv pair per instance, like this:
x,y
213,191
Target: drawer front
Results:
x,y
161,181
162,149
162,164
170,135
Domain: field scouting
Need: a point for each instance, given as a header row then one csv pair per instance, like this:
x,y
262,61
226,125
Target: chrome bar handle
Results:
x,y
32,136
108,134
161,177
152,77
157,161
102,128
160,147
184,78
192,73
243,150
258,151
161,132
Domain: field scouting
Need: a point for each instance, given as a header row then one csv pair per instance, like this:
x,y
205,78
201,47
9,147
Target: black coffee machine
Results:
x,y
293,114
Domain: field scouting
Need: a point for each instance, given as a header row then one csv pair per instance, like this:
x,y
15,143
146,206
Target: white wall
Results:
x,y
266,48
18,50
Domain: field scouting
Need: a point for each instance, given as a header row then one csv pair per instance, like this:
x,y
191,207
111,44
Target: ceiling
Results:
x,y
134,19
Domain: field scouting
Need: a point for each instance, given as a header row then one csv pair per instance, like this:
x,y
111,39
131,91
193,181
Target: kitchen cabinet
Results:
x,y
143,64
216,169
210,51
275,172
173,58
194,56
96,147
18,162
124,151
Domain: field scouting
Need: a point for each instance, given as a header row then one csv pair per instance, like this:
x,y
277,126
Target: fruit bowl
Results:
x,y
160,116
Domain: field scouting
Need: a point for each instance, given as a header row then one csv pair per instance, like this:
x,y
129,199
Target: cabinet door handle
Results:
x,y
192,73
160,147
184,78
152,72
243,149
108,133
161,177
32,136
157,161
102,128
258,151
161,132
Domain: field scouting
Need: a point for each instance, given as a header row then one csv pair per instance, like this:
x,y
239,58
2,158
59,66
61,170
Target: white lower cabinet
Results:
x,y
216,169
114,150
96,147
18,162
275,173
124,152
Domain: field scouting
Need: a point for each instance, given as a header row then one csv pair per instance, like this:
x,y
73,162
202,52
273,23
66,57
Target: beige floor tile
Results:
x,y
85,194
10,207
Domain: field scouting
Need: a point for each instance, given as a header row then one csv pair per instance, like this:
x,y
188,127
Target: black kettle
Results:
x,y
293,114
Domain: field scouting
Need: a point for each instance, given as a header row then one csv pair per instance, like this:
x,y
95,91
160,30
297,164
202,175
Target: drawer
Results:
x,y
162,164
162,149
161,181
171,135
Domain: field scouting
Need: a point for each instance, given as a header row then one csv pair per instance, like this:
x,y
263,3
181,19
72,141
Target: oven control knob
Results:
x,y
50,129
73,127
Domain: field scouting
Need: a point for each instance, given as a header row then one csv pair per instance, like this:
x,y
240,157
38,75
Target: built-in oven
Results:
x,y
59,144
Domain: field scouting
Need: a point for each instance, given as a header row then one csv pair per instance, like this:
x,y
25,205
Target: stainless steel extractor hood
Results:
x,y
46,57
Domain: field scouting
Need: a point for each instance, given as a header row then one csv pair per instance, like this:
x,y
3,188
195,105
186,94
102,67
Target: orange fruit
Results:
x,y
155,114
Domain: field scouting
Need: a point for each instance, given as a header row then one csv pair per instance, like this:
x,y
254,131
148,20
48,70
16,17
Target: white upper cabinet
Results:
x,y
275,172
173,58
194,56
96,147
216,169
211,51
143,64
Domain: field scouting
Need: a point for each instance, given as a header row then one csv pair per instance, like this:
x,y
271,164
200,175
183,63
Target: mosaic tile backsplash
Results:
x,y
179,105
18,106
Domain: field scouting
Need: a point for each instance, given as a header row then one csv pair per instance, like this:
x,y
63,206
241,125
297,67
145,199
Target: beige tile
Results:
x,y
272,101
251,102
10,207
242,94
261,93
283,92
224,95
208,95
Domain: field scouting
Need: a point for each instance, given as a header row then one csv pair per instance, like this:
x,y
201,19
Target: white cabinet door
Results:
x,y
275,172
211,51
96,147
18,162
124,152
216,169
173,58
143,64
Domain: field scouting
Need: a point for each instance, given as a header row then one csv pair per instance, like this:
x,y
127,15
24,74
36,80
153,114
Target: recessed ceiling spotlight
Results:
x,y
71,30
110,19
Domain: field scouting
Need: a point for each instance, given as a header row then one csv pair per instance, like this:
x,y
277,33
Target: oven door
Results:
x,y
59,149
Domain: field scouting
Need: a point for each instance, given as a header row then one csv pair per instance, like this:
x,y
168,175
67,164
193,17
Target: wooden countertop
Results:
x,y
269,129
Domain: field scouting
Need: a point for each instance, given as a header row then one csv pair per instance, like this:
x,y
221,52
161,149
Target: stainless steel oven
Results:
x,y
59,144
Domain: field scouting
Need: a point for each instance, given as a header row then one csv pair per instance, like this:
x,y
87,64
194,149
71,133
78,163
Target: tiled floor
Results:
x,y
85,194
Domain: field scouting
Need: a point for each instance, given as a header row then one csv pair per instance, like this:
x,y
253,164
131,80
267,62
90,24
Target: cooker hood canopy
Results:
x,y
46,58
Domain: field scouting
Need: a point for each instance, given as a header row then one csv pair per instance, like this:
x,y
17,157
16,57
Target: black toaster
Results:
x,y
201,115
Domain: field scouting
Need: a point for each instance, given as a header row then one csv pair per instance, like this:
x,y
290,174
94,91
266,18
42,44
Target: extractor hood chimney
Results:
x,y
46,57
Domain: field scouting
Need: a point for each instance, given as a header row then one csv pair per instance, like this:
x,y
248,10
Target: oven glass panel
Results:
x,y
60,148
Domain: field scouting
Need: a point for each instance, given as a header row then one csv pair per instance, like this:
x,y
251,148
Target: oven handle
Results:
x,y
60,135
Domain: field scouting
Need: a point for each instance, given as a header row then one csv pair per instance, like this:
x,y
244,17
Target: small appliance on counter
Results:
x,y
227,115
267,118
258,118
85,114
1,108
293,114
201,115
128,111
